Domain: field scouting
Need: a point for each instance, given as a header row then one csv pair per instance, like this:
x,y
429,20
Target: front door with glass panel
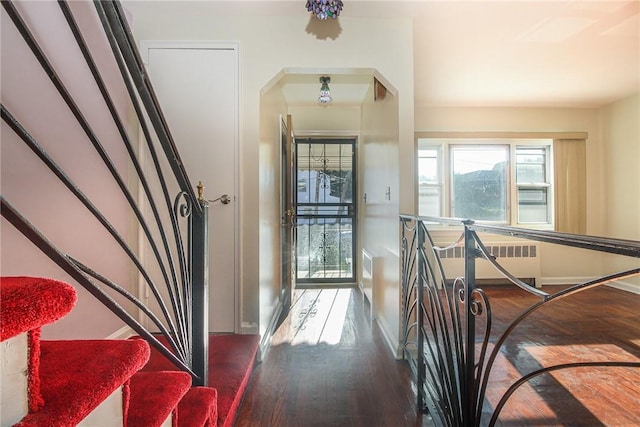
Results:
x,y
325,210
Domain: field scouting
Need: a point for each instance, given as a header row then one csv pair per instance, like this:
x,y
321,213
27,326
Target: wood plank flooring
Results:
x,y
329,366
601,324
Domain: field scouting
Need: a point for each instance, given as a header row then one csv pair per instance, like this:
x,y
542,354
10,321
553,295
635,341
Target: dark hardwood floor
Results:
x,y
600,324
328,364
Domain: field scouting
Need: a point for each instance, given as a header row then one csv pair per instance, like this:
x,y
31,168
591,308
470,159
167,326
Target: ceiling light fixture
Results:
x,y
324,9
325,92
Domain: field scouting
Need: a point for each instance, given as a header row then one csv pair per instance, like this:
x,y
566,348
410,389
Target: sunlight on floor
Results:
x,y
600,390
318,316
503,375
334,325
594,392
597,392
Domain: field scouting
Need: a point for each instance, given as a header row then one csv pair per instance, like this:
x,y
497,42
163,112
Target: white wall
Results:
x,y
32,189
612,138
379,225
267,45
621,136
273,109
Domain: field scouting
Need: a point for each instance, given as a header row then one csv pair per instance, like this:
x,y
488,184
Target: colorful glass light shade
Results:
x,y
324,9
325,92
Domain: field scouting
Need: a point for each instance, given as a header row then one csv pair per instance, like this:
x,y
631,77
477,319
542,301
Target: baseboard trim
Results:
x,y
389,338
622,285
122,333
554,281
249,329
626,286
565,280
265,342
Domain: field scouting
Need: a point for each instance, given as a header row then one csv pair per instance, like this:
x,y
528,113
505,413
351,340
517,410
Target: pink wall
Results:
x,y
30,96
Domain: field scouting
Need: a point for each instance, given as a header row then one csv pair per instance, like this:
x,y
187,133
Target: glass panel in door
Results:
x,y
325,212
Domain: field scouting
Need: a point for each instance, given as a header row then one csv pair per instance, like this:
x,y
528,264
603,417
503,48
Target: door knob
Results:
x,y
224,199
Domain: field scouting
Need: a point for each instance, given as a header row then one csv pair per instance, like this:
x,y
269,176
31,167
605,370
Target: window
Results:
x,y
502,181
429,182
479,185
532,181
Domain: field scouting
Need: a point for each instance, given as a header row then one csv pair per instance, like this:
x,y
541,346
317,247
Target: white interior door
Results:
x,y
197,86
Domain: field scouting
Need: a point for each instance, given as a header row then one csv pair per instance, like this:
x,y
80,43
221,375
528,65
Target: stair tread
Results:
x,y
77,375
154,395
198,408
231,359
31,302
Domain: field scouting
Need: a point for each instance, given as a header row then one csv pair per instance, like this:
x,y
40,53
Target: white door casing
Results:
x,y
197,85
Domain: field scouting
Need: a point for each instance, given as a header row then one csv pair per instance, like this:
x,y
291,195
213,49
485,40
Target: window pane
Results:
x,y
428,166
325,173
530,155
428,182
429,201
530,165
324,248
532,205
479,182
530,173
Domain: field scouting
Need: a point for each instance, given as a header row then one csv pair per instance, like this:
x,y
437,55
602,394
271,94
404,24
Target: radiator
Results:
x,y
520,259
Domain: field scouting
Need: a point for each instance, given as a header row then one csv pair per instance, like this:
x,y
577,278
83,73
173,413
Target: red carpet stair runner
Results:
x,y
231,360
105,382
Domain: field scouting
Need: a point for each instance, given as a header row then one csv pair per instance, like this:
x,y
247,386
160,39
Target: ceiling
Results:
x,y
349,87
564,53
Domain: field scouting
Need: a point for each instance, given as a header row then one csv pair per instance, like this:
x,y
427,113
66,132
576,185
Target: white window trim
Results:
x,y
443,143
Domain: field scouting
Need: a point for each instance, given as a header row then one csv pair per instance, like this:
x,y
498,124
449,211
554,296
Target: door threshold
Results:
x,y
326,285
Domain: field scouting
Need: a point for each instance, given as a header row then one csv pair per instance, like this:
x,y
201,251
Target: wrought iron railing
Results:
x,y
171,218
447,324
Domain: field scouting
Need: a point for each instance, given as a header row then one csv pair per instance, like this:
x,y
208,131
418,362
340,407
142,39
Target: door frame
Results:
x,y
335,138
145,46
287,210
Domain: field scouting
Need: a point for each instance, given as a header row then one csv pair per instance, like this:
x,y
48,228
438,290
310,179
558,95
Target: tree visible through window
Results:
x,y
479,182
503,181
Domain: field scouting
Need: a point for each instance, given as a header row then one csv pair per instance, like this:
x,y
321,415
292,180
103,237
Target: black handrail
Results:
x,y
438,323
602,244
73,188
68,265
181,255
138,168
138,85
123,44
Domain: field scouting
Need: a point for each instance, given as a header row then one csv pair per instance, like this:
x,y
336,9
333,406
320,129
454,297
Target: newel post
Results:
x,y
470,253
200,293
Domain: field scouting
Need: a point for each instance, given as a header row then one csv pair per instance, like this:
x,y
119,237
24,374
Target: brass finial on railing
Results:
x,y
200,188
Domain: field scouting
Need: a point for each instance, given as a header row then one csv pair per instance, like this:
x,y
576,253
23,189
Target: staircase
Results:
x,y
105,383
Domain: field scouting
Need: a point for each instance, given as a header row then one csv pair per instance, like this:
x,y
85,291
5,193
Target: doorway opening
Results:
x,y
325,211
